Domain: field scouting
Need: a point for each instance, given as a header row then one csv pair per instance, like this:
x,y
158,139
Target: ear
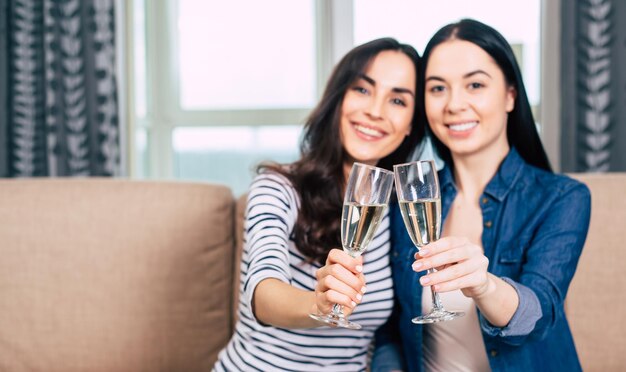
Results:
x,y
511,94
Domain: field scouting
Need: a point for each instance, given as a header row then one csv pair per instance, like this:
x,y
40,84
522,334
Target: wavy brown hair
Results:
x,y
318,176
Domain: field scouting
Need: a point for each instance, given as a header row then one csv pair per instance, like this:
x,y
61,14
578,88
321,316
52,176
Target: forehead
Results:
x,y
458,57
392,67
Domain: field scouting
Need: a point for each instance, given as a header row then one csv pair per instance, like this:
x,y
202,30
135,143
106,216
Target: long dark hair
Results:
x,y
318,176
521,131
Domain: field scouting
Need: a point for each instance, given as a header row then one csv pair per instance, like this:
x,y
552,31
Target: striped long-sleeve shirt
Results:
x,y
269,252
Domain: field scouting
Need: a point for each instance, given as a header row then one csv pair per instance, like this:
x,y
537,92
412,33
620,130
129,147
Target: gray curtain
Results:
x,y
593,86
58,97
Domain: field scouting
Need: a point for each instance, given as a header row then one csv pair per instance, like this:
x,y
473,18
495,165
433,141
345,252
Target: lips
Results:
x,y
368,131
462,127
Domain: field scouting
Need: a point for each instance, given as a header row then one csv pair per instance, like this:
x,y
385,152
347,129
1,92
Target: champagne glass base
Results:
x,y
437,316
336,321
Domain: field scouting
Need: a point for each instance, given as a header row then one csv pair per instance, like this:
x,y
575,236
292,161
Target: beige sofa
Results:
x,y
117,275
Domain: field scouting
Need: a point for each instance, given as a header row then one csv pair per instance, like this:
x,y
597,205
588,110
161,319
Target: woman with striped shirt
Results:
x,y
291,265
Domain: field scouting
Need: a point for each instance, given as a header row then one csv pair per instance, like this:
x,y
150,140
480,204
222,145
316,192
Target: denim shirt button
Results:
x,y
395,254
488,224
485,200
493,352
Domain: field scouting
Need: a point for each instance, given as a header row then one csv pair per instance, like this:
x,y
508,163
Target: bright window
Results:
x,y
230,154
235,59
220,86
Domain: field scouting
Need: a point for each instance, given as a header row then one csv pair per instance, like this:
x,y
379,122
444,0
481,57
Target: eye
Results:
x,y
436,89
360,89
476,85
398,101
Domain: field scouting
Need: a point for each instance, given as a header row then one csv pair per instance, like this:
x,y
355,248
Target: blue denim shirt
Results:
x,y
534,227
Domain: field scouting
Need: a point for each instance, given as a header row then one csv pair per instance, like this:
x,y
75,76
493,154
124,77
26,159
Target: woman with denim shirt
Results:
x,y
512,232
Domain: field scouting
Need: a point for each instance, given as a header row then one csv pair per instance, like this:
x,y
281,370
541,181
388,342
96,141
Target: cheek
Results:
x,y
434,117
434,108
344,118
343,130
351,103
493,113
404,123
438,130
401,129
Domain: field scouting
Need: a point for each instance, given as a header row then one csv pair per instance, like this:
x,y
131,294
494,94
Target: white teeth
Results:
x,y
462,127
368,131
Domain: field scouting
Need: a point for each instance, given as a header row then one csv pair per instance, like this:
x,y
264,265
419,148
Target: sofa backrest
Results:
x,y
114,275
596,301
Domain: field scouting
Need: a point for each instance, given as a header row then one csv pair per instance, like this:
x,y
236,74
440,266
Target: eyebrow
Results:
x,y
469,74
395,89
472,73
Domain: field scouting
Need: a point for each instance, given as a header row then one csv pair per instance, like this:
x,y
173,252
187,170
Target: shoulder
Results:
x,y
270,179
270,185
555,182
558,185
272,182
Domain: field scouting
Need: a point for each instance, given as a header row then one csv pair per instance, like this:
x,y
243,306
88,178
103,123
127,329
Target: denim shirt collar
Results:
x,y
504,180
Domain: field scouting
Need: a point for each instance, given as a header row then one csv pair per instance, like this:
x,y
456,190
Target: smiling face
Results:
x,y
377,108
467,99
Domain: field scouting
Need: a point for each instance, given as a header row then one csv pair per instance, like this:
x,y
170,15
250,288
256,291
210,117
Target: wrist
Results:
x,y
487,289
313,309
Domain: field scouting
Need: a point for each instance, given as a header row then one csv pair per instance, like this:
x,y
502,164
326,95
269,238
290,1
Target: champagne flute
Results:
x,y
367,196
417,187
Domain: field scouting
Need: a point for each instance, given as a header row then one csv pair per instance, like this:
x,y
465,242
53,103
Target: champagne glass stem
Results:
x,y
338,311
437,306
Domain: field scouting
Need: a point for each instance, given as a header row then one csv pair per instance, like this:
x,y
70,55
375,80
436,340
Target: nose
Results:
x,y
456,102
375,109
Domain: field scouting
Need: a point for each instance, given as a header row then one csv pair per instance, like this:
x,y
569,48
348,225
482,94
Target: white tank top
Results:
x,y
454,345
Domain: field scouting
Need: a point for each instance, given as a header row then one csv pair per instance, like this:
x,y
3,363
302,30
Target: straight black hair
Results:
x,y
521,129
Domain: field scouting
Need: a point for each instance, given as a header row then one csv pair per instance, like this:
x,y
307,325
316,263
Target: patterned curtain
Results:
x,y
58,97
593,86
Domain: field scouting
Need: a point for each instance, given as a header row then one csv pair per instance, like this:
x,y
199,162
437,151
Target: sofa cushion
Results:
x,y
596,301
114,275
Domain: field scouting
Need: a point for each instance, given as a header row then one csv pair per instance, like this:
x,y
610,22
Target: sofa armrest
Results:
x,y
114,275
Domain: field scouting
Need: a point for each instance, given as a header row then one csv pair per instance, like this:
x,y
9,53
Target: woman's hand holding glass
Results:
x,y
417,187
459,264
340,281
367,195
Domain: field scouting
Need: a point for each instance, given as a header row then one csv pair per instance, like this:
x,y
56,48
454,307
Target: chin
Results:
x,y
366,160
462,150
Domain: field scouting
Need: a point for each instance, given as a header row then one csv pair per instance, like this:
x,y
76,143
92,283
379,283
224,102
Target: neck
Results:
x,y
473,172
347,167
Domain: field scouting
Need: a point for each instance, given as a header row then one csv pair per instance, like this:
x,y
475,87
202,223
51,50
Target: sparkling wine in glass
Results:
x,y
417,187
367,196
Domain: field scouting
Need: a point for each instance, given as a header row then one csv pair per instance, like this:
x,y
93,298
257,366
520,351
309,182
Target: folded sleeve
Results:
x,y
550,263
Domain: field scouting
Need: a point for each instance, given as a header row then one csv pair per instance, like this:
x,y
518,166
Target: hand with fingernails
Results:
x,y
340,281
460,264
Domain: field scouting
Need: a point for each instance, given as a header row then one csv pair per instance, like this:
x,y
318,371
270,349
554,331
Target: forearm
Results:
x,y
281,305
499,301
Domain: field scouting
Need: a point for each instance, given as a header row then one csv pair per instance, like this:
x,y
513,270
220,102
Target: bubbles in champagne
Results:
x,y
358,225
422,219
